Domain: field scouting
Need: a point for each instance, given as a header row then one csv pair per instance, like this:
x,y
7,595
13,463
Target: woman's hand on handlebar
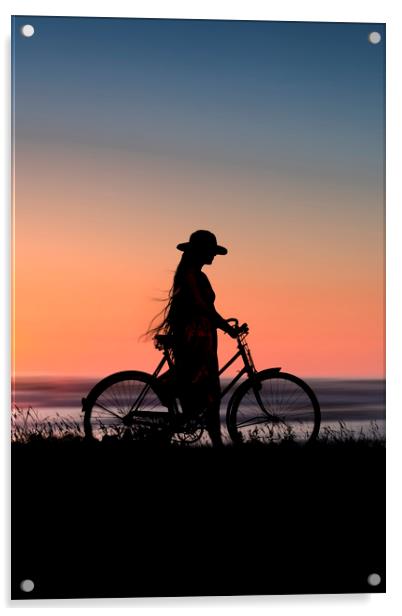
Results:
x,y
233,332
236,330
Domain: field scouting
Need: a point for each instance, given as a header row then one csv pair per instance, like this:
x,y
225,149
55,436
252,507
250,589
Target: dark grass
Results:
x,y
27,427
145,517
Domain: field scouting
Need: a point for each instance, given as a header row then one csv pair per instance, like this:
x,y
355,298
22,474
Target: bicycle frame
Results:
x,y
243,352
248,368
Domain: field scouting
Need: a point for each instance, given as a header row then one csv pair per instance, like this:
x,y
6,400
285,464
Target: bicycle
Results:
x,y
268,406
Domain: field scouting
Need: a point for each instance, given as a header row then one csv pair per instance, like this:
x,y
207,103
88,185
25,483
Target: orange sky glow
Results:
x,y
94,245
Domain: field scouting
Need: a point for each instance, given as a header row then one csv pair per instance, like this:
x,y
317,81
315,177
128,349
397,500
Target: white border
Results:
x,y
296,10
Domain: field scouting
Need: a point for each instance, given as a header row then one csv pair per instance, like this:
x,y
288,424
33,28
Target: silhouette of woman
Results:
x,y
191,319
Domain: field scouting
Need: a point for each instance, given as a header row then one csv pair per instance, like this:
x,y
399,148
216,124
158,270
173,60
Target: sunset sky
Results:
x,y
132,133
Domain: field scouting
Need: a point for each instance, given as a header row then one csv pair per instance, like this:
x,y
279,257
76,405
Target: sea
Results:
x,y
356,405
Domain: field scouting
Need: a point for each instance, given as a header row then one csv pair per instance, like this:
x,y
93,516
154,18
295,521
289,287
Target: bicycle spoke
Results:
x,y
108,410
252,421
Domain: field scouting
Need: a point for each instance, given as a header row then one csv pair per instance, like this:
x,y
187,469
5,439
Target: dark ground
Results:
x,y
122,520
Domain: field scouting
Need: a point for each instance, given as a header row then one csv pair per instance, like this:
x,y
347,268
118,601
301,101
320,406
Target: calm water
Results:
x,y
356,402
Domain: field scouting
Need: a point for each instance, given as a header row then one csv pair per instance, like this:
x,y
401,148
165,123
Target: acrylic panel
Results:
x,y
198,361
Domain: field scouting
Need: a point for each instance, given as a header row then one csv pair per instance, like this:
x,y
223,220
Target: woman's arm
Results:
x,y
224,325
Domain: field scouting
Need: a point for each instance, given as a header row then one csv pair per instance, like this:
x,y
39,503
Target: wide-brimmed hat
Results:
x,y
201,241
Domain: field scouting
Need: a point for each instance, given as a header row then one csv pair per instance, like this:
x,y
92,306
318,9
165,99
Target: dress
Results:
x,y
193,326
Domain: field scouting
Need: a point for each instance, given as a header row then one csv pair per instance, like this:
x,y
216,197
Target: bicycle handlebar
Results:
x,y
243,329
233,320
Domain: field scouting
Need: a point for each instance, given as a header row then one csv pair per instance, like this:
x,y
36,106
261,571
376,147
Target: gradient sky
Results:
x,y
132,133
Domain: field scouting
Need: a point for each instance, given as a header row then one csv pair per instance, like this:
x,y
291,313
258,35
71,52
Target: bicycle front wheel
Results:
x,y
272,408
125,405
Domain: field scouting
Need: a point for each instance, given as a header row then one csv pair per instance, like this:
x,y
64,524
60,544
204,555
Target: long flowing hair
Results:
x,y
167,323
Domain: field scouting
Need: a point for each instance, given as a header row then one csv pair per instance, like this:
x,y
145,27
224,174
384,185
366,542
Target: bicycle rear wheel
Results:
x,y
126,405
272,408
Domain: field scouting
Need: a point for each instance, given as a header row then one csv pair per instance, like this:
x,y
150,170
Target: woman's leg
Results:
x,y
214,393
214,423
213,419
